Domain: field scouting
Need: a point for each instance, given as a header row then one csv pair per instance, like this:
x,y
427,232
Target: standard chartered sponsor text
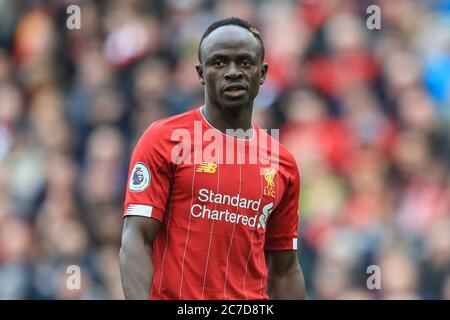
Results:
x,y
208,196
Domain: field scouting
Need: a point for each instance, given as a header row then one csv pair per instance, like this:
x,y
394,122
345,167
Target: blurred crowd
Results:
x,y
366,113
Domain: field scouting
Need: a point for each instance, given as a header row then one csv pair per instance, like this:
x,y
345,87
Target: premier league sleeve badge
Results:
x,y
140,178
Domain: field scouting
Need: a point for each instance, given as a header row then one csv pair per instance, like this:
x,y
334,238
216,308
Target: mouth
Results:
x,y
234,90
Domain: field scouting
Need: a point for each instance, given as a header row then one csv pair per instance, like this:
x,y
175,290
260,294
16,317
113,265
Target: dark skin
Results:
x,y
231,70
136,266
230,55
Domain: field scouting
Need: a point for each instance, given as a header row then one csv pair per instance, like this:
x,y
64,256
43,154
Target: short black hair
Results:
x,y
235,22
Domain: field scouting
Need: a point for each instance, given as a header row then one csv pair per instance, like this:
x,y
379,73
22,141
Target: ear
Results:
x,y
264,68
199,69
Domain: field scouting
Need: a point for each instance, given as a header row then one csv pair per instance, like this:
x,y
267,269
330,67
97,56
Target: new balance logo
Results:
x,y
207,167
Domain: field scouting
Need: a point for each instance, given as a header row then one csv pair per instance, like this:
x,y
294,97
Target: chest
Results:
x,y
236,198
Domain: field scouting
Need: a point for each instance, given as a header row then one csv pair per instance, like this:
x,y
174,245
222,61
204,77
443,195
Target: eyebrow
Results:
x,y
223,56
216,56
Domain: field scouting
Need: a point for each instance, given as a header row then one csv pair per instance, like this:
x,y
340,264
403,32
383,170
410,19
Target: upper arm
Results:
x,y
282,226
136,263
280,262
139,228
285,277
149,176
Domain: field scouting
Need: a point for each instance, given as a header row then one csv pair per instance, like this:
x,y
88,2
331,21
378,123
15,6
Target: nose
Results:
x,y
233,72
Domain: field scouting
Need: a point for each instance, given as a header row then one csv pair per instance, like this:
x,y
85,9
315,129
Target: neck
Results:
x,y
223,119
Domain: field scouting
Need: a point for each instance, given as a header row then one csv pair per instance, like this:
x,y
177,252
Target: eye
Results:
x,y
246,63
218,63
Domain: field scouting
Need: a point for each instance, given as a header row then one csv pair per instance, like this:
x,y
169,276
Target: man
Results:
x,y
224,227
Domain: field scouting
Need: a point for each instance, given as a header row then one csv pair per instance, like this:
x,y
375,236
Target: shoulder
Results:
x,y
287,158
157,141
166,125
161,131
279,154
288,164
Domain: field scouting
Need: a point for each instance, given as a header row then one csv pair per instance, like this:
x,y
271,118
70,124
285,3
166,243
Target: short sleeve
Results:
x,y
149,177
282,229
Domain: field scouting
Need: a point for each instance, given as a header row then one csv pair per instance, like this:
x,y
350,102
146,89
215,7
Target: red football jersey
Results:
x,y
222,201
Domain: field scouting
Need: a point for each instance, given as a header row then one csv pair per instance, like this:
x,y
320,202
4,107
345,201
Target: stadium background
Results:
x,y
366,114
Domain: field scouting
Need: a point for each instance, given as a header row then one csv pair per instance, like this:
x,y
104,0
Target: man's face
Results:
x,y
231,67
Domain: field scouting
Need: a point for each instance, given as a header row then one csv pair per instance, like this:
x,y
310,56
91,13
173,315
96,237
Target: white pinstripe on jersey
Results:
x,y
234,227
212,227
251,248
167,244
187,236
